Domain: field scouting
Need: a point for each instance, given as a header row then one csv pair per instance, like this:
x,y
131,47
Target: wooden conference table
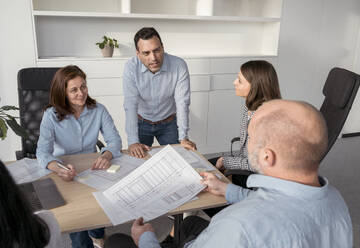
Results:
x,y
82,212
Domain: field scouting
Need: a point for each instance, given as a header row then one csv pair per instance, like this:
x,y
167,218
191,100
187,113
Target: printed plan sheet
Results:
x,y
101,180
191,157
162,183
26,170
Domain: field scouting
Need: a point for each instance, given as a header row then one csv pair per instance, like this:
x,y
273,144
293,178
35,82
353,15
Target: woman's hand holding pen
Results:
x,y
67,175
66,172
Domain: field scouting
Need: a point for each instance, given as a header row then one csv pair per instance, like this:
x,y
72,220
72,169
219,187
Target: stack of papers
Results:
x,y
162,183
101,179
26,170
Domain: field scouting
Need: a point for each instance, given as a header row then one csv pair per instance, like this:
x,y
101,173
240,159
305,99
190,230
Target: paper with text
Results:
x,y
26,170
101,179
190,156
162,183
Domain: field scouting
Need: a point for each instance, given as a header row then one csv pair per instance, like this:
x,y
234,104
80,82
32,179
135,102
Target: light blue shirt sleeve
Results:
x,y
236,193
110,134
45,144
182,100
148,240
131,102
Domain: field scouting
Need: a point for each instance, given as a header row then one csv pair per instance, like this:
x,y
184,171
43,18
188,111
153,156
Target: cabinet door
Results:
x,y
224,119
198,117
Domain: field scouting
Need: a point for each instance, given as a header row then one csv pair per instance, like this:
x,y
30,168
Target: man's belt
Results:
x,y
166,120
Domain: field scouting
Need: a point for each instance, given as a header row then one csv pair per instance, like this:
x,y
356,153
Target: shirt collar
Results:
x,y
164,66
85,111
288,187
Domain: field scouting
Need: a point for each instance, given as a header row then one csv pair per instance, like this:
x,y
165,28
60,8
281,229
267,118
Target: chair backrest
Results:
x,y
340,91
33,90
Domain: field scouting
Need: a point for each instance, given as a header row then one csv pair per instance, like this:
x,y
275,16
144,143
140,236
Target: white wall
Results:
x,y
315,36
17,51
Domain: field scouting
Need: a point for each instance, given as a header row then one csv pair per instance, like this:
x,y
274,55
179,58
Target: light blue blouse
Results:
x,y
76,136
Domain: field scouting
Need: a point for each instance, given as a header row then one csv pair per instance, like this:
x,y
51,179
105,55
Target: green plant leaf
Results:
x,y
8,107
102,45
18,130
3,129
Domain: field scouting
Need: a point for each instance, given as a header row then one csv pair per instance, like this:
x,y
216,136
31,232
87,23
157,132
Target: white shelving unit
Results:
x,y
188,28
214,37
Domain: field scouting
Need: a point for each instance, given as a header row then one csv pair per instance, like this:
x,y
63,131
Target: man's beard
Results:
x,y
254,160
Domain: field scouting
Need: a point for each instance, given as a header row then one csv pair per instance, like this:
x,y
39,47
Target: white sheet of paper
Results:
x,y
26,170
162,183
101,179
190,156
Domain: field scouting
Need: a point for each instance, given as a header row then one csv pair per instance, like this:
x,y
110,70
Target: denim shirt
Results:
x,y
76,136
279,213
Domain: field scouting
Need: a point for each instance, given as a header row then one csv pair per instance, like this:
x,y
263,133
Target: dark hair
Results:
x,y
146,33
58,98
19,227
263,80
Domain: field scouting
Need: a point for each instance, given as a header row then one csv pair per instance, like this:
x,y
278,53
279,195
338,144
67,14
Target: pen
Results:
x,y
63,167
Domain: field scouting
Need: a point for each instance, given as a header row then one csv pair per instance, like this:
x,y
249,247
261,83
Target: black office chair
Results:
x,y
33,91
340,91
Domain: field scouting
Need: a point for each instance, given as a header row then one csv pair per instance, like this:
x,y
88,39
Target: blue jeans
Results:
x,y
83,240
165,132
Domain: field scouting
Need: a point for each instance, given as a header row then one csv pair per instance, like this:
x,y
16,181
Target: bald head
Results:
x,y
295,131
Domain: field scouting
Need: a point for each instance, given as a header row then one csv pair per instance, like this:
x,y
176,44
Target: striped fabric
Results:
x,y
240,160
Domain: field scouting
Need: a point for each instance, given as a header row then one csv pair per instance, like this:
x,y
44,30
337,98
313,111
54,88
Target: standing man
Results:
x,y
157,96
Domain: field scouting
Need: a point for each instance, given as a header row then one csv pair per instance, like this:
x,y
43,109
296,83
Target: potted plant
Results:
x,y
9,120
107,46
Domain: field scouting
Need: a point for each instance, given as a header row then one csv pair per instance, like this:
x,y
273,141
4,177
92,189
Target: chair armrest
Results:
x,y
19,155
99,144
236,139
238,172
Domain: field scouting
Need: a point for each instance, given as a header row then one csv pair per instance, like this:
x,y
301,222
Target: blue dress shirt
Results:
x,y
279,213
156,96
75,136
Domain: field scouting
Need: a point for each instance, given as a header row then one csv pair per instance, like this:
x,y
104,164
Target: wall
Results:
x,y
315,36
17,51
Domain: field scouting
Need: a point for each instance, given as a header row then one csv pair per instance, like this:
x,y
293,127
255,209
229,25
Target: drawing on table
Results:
x,y
162,183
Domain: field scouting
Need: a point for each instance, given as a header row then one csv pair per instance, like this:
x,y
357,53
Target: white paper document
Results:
x,y
162,183
101,179
26,170
190,156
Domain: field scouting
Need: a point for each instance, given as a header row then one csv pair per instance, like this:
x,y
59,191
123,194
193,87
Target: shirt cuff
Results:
x,y
114,152
231,194
182,135
148,239
133,140
45,161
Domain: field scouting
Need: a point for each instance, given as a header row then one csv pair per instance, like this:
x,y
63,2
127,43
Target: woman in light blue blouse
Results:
x,y
71,125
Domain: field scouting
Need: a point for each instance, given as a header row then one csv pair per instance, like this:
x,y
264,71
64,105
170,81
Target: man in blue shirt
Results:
x,y
290,206
157,95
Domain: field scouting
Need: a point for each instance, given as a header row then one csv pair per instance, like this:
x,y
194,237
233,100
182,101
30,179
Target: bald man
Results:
x,y
291,206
